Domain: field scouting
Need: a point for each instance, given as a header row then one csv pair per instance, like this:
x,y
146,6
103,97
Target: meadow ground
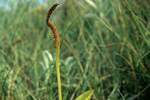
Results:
x,y
105,46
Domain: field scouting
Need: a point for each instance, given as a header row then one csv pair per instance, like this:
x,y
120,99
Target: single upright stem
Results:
x,y
57,46
58,71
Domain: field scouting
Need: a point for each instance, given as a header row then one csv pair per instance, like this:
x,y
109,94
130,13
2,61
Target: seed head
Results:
x,y
52,26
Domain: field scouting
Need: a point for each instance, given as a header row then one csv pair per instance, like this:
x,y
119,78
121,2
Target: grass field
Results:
x,y
105,46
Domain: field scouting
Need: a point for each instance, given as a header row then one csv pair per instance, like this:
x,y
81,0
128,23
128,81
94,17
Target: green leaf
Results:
x,y
85,96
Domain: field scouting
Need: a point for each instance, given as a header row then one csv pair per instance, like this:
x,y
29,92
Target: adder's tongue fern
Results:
x,y
52,26
56,36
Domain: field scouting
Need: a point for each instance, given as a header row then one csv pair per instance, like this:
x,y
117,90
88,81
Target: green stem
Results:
x,y
58,72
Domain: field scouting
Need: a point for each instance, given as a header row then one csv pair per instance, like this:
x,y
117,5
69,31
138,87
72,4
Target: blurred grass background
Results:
x,y
105,47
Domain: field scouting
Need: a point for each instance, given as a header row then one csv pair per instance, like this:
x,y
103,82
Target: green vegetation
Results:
x,y
105,47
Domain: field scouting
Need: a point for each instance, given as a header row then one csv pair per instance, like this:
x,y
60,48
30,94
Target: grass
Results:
x,y
105,47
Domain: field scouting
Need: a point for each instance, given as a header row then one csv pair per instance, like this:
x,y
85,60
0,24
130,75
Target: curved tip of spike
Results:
x,y
51,11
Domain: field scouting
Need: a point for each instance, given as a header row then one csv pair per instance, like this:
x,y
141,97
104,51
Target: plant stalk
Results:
x,y
57,46
58,72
